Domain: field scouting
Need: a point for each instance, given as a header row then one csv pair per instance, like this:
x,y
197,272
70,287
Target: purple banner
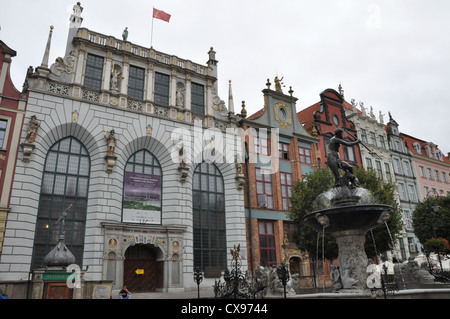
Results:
x,y
142,198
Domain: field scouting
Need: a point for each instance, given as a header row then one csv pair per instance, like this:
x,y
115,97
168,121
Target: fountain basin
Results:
x,y
354,217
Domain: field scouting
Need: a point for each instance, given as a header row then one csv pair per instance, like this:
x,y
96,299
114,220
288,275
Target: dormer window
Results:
x,y
439,155
417,147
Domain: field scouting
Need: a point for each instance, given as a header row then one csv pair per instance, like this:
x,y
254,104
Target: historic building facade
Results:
x,y
324,117
125,147
279,153
431,165
405,176
376,155
12,110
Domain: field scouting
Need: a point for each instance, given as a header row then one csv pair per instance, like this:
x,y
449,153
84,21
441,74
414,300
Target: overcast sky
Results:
x,y
393,55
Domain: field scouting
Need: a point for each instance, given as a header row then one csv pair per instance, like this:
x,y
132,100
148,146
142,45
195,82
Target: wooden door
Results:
x,y
140,269
57,291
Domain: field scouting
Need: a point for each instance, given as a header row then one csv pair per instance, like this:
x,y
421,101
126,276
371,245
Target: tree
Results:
x,y
302,202
429,223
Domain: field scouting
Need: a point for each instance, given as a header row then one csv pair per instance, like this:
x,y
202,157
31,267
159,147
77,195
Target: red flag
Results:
x,y
158,14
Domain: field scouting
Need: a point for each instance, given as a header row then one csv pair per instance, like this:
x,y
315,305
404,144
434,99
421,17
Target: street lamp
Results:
x,y
283,275
198,278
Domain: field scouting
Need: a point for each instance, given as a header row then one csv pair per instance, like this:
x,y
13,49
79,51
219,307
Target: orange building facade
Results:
x,y
279,152
322,118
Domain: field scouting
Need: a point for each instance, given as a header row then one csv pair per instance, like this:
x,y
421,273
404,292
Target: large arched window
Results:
x,y
142,189
209,218
65,182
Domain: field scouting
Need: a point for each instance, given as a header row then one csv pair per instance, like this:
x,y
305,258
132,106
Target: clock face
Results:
x,y
282,114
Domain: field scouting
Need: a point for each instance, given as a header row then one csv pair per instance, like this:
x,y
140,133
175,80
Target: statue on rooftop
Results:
x,y
125,34
278,84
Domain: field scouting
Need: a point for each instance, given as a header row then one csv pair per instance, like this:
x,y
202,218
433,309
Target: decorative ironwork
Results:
x,y
387,288
236,285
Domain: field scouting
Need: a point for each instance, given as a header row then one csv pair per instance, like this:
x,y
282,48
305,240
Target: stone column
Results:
x,y
187,95
107,72
37,284
173,89
352,258
79,70
125,75
149,90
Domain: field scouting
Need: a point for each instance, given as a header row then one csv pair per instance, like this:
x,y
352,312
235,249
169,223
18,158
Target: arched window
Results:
x,y
65,182
209,217
142,189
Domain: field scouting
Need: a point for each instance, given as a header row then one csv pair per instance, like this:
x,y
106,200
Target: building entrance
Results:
x,y
141,269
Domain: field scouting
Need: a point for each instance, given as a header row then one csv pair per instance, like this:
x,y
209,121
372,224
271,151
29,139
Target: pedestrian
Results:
x,y
124,293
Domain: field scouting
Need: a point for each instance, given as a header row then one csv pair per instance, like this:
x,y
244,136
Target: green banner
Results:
x,y
53,276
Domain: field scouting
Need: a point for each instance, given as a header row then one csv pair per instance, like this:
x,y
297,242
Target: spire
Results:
x,y
44,63
75,18
230,99
341,90
43,69
75,23
212,63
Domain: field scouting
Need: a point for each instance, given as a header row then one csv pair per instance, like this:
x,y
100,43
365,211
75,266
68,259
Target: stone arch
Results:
x,y
61,131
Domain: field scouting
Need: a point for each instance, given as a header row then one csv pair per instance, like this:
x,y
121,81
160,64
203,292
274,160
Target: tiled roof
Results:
x,y
410,140
256,115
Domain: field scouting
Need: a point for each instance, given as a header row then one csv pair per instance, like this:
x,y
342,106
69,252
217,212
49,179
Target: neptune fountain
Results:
x,y
348,212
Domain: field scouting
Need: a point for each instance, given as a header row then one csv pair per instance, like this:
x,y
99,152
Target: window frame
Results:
x,y
266,181
136,83
283,150
59,168
209,223
162,89
5,130
197,98
305,158
286,190
93,73
261,145
269,239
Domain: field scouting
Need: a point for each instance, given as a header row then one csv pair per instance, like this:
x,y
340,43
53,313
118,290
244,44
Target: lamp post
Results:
x,y
198,278
283,275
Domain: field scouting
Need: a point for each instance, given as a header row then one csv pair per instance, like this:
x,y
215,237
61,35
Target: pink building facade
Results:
x,y
431,165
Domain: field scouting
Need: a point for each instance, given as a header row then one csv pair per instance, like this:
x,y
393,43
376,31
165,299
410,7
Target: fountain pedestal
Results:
x,y
352,258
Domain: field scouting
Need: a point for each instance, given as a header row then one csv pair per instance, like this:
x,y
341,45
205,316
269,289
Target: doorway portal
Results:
x,y
142,272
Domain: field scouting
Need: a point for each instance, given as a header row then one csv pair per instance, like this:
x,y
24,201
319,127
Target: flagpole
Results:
x,y
151,38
